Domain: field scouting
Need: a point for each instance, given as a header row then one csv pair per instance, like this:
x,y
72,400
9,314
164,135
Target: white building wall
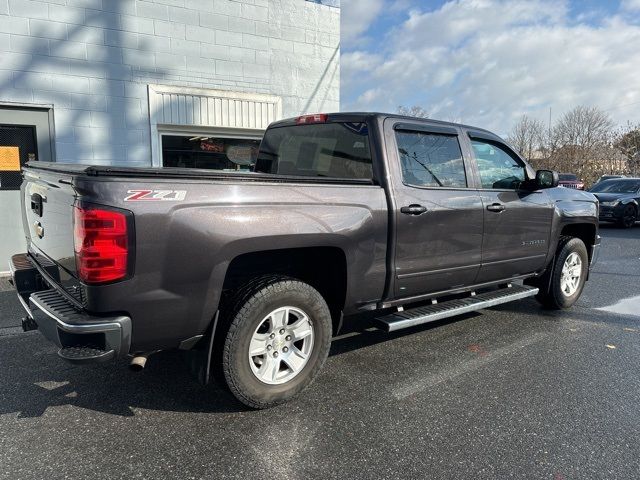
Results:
x,y
92,60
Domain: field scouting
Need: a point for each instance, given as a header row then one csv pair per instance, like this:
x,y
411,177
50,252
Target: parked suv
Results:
x,y
254,272
569,180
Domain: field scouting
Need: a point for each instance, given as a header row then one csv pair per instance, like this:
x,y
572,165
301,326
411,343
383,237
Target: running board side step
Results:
x,y
431,313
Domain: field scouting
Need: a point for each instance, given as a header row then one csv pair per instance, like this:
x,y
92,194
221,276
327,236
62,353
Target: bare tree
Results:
x,y
581,143
527,136
415,111
627,140
584,127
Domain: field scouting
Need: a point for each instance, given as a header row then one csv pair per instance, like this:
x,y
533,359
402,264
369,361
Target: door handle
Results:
x,y
414,209
496,207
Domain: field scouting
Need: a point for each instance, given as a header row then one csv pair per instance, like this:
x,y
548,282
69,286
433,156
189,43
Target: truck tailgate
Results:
x,y
47,210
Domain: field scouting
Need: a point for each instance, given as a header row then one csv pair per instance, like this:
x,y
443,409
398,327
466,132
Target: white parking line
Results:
x,y
626,306
407,389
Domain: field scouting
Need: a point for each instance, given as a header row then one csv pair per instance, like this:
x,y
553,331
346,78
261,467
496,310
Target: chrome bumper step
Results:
x,y
451,308
86,354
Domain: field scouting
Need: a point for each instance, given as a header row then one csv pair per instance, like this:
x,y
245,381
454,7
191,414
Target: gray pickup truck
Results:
x,y
253,272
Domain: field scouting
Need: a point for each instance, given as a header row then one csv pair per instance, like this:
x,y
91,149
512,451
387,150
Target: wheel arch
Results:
x,y
631,201
324,268
587,232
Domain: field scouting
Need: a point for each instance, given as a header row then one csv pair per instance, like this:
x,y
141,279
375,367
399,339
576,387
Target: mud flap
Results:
x,y
199,357
543,282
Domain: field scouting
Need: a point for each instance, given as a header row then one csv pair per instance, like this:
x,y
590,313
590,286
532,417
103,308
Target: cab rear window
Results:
x,y
333,150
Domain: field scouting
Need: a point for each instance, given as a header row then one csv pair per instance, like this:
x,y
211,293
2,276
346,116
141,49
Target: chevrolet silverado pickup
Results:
x,y
253,272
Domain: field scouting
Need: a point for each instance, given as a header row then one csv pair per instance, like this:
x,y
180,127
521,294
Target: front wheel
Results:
x,y
568,277
277,342
629,217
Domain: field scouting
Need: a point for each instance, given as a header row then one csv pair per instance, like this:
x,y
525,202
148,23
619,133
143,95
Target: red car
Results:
x,y
570,180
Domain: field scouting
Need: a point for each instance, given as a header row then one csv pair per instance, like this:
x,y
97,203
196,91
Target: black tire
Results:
x,y
555,298
248,309
629,216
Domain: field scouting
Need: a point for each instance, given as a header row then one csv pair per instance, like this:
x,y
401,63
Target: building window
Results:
x,y
209,152
220,119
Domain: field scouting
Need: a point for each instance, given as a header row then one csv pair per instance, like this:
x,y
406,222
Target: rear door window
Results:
x,y
431,160
333,150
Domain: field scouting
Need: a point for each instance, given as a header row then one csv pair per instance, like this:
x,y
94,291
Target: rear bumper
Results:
x,y
61,322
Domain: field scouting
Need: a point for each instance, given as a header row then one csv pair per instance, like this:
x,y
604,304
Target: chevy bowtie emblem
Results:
x,y
37,226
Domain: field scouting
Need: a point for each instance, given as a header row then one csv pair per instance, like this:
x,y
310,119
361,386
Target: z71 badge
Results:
x,y
155,195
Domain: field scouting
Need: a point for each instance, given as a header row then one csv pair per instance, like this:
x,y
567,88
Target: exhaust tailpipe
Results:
x,y
139,361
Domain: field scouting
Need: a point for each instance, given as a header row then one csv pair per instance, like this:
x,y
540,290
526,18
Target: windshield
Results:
x,y
334,150
568,177
617,186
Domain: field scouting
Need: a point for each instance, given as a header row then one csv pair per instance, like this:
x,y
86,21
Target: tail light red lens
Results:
x,y
101,244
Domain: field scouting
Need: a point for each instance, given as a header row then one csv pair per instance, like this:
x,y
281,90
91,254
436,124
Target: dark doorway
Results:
x,y
18,146
26,134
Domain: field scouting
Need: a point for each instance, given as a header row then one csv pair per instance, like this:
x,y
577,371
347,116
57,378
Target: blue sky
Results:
x,y
487,62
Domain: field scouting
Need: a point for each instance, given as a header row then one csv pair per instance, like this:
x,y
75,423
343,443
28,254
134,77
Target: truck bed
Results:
x,y
185,173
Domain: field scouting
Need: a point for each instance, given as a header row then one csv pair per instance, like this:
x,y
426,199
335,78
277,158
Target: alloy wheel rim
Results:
x,y
281,345
571,274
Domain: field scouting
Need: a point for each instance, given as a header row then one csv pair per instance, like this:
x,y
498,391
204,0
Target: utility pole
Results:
x,y
549,130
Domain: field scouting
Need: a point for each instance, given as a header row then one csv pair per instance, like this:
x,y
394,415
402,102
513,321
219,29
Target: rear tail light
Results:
x,y
315,118
101,244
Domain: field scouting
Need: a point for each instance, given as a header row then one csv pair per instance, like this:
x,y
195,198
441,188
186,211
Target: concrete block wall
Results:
x,y
93,59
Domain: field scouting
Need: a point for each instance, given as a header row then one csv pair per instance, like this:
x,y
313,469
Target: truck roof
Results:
x,y
367,116
350,117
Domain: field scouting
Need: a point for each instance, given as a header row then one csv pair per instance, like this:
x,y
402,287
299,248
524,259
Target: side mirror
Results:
x,y
547,179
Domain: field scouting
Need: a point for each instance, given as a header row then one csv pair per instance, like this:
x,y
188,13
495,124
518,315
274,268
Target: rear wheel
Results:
x,y
629,216
568,277
277,341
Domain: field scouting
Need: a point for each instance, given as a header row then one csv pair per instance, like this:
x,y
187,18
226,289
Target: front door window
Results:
x,y
497,168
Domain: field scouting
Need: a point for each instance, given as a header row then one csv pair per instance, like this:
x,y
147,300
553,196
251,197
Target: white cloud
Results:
x,y
631,5
370,96
357,16
487,62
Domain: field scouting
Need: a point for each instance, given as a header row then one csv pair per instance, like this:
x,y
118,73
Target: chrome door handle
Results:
x,y
414,209
496,207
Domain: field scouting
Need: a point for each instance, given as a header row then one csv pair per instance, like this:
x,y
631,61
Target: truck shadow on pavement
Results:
x,y
34,378
32,382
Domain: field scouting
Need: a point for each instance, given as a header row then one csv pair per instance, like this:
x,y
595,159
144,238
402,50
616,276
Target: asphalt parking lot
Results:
x,y
509,392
